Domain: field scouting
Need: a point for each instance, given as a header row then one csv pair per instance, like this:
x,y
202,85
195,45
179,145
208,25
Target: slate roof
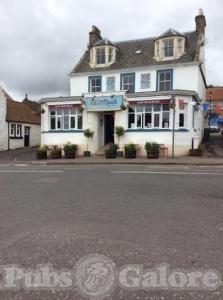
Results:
x,y
217,94
20,111
103,42
170,32
127,58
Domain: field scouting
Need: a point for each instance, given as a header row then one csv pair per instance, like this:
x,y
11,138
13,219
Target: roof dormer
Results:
x,y
102,51
170,45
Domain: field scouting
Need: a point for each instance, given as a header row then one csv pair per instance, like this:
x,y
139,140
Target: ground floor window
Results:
x,y
65,118
15,130
149,116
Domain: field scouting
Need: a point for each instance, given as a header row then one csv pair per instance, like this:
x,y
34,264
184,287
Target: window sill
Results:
x,y
156,130
64,131
16,137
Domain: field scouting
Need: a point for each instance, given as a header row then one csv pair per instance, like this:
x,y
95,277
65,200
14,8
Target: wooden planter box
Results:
x,y
152,155
195,152
41,154
55,155
110,154
130,154
87,153
69,154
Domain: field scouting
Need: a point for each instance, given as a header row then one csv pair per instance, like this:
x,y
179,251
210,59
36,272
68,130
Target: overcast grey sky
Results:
x,y
41,40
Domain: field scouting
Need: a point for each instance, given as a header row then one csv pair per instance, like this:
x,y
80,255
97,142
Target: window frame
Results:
x,y
107,78
99,49
77,113
90,78
165,71
183,111
152,112
122,76
167,48
148,81
16,130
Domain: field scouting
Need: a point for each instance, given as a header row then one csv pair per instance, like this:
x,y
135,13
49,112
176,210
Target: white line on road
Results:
x,y
29,171
175,173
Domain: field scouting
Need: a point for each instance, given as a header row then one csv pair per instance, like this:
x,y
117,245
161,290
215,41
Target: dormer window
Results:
x,y
168,47
100,56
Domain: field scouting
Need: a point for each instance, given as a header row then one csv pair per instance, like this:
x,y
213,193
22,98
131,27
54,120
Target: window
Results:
x,y
110,84
149,116
65,118
110,54
168,47
145,81
15,130
164,80
94,84
179,45
182,115
128,82
100,56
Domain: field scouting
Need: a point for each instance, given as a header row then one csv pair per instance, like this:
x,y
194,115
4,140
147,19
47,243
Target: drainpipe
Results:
x,y
8,137
173,106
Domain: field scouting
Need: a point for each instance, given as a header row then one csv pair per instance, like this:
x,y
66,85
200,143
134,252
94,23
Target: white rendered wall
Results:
x,y
3,123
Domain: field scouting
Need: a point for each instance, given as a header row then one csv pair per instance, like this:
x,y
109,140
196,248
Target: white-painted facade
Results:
x,y
188,90
9,141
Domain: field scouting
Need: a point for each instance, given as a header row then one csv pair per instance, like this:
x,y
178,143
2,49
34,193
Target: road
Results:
x,y
146,215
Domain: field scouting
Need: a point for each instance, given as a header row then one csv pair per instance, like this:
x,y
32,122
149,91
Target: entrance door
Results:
x,y
109,128
26,136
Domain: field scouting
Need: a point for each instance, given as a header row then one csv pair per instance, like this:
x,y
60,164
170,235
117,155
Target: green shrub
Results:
x,y
152,147
130,147
69,147
112,147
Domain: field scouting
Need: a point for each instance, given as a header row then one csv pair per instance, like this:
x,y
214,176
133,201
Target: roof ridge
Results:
x,y
151,38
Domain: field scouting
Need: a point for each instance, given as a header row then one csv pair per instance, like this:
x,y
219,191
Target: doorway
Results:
x,y
26,136
109,128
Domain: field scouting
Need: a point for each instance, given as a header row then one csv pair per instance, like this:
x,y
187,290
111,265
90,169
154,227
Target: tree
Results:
x,y
88,133
119,131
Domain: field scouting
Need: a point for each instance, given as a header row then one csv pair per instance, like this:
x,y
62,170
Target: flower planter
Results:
x,y
110,154
120,154
55,155
152,155
195,152
69,154
130,153
41,154
87,153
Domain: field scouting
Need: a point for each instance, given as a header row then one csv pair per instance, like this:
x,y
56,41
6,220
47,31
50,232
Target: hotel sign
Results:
x,y
103,103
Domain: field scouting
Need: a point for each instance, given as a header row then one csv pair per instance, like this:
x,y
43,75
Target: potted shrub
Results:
x,y
119,131
111,151
198,151
55,152
130,151
41,152
88,133
70,150
152,149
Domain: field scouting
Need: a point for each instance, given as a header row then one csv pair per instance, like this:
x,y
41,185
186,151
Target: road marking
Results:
x,y
163,172
29,171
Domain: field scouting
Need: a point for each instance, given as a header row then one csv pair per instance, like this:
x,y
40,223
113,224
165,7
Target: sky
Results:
x,y
41,40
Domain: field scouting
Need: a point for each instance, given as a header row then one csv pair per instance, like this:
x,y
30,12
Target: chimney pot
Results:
x,y
94,36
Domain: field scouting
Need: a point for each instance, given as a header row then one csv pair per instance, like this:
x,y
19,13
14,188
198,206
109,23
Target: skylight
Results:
x,y
138,51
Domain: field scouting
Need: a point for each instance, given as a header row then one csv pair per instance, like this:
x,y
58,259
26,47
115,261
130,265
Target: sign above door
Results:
x,y
103,103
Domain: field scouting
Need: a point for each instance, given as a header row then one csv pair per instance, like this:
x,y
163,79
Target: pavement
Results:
x,y
28,156
148,215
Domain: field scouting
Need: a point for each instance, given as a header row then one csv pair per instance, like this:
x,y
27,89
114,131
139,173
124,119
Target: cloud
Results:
x,y
41,40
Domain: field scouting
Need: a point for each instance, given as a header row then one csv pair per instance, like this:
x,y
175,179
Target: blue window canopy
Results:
x,y
103,101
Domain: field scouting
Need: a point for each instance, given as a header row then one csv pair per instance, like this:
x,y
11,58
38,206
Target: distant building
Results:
x,y
19,122
214,98
148,86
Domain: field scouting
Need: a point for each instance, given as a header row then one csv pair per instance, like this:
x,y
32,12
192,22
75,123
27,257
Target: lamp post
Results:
x,y
173,106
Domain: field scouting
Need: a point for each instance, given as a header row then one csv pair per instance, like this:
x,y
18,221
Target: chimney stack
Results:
x,y
94,36
200,22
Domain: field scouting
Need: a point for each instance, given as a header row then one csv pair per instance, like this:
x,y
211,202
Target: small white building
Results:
x,y
153,87
19,122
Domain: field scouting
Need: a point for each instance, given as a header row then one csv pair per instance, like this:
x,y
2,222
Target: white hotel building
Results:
x,y
152,87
